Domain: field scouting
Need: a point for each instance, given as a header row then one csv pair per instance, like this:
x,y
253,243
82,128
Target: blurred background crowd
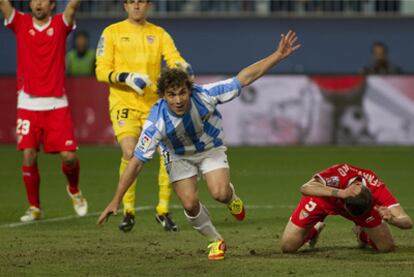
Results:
x,y
254,7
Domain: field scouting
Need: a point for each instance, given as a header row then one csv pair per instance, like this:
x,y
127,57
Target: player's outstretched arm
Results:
x,y
6,8
287,45
130,174
396,216
315,188
70,11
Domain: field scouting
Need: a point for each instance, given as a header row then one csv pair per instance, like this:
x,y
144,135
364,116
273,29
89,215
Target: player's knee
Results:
x,y
68,157
221,193
191,206
29,157
385,247
127,154
287,247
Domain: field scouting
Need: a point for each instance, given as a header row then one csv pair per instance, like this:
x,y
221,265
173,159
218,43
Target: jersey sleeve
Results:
x,y
14,21
169,51
105,57
330,178
222,91
148,142
66,26
383,197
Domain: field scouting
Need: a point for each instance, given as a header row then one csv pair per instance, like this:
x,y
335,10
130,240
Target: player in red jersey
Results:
x,y
42,106
354,193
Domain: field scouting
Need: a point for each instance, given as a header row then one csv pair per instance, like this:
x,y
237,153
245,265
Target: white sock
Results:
x,y
203,224
233,196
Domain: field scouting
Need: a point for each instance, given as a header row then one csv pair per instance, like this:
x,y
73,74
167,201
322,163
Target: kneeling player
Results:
x,y
354,193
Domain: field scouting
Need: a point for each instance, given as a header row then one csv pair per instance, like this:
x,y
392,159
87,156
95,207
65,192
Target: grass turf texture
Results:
x,y
266,177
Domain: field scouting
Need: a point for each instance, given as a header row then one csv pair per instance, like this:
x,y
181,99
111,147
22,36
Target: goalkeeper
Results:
x,y
128,57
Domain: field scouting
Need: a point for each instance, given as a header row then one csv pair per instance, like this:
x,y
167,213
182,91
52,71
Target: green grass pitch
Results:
x,y
268,181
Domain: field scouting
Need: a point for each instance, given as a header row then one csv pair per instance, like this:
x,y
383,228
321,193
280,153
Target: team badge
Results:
x,y
50,32
68,142
151,39
32,32
101,46
332,181
144,143
303,214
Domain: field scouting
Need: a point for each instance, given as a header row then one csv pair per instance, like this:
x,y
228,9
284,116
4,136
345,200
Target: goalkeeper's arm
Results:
x,y
6,8
136,81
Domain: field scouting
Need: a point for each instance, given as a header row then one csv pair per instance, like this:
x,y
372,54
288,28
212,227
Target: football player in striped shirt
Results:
x,y
187,126
128,58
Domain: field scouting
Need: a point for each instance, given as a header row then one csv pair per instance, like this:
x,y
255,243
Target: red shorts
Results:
x,y
311,210
54,128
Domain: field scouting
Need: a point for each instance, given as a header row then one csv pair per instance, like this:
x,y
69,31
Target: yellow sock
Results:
x,y
165,189
129,198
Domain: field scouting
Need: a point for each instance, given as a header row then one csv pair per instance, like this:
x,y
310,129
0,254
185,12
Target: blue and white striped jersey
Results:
x,y
197,130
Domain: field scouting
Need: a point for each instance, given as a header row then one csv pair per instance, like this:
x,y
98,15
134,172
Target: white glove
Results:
x,y
186,67
138,82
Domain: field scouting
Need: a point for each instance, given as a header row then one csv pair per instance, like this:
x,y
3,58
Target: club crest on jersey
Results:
x,y
303,214
50,32
151,39
332,181
32,32
144,143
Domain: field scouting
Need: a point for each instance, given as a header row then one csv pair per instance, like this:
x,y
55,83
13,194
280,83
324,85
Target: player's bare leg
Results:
x,y
198,216
381,237
71,169
31,179
293,238
220,188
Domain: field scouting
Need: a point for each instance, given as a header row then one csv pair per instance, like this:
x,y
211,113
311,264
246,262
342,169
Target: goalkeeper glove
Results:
x,y
136,81
185,67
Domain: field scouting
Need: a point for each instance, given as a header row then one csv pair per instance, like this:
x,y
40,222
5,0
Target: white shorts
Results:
x,y
184,167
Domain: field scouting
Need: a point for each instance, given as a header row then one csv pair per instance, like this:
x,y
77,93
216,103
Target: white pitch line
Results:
x,y
139,208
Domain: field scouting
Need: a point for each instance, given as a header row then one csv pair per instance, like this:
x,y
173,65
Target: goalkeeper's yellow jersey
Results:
x,y
125,47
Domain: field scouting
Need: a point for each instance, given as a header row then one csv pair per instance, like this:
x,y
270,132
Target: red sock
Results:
x,y
71,172
311,234
31,181
363,236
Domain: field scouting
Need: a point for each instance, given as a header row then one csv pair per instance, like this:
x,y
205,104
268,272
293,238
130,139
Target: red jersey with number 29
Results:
x,y
40,54
343,175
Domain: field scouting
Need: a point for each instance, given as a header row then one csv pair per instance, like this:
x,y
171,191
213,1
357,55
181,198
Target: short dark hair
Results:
x,y
50,1
380,44
172,78
125,1
82,33
361,203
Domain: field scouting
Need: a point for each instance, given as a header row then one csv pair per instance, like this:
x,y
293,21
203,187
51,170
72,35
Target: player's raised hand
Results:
x,y
186,67
111,209
287,44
